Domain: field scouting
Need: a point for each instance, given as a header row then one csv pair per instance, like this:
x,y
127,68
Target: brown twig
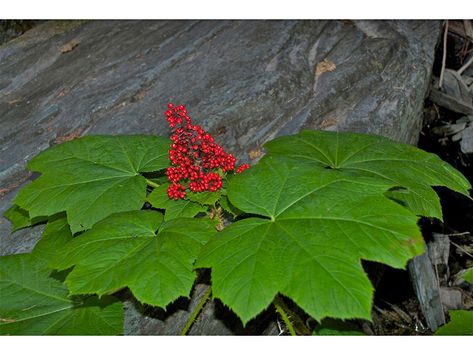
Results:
x,y
462,249
444,55
466,65
456,234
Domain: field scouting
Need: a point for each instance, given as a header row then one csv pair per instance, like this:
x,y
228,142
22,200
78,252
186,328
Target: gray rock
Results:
x,y
244,81
173,321
451,298
454,85
451,102
466,144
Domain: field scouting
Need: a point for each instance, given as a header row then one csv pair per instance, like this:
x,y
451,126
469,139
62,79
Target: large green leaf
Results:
x,y
461,323
158,198
34,303
403,165
313,227
321,202
125,250
56,235
93,177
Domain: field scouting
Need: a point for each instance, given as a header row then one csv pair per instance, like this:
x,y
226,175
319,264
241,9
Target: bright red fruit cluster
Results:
x,y
195,157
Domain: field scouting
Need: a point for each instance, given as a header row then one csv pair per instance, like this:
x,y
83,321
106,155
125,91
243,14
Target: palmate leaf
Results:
x,y
34,303
315,219
92,177
124,250
314,228
158,198
412,169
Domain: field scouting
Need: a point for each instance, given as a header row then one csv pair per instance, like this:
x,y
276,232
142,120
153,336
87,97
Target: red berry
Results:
x,y
242,168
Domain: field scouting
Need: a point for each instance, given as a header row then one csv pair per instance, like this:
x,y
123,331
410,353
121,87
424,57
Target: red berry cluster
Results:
x,y
241,168
194,156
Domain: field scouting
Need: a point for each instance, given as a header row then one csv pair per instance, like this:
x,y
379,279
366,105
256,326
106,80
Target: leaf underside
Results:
x,y
320,206
92,177
124,250
34,303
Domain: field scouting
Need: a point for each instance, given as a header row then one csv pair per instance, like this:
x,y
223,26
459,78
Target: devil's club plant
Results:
x,y
144,212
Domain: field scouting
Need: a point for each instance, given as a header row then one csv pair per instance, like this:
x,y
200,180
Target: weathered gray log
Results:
x,y
450,102
171,323
466,144
454,85
244,81
427,290
451,298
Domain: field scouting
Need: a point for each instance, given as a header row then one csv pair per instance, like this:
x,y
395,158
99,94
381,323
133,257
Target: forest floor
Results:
x,y
397,310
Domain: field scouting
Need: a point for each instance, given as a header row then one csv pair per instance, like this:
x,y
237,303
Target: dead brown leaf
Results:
x,y
255,153
140,95
324,66
217,215
221,130
328,122
7,189
14,101
69,46
68,137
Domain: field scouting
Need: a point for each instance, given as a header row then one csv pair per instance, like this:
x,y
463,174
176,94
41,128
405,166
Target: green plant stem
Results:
x,y
279,304
150,183
196,312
